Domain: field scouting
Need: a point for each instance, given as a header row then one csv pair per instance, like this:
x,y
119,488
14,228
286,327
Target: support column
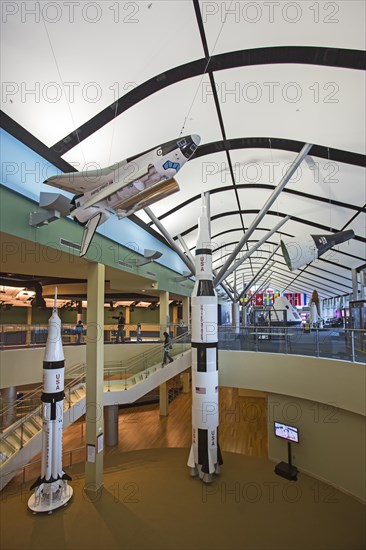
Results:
x,y
243,316
28,334
9,401
186,377
111,425
94,379
163,399
235,308
185,311
164,319
354,284
128,321
175,315
363,285
79,314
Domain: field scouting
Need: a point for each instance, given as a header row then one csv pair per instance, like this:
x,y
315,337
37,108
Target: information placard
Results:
x,y
90,453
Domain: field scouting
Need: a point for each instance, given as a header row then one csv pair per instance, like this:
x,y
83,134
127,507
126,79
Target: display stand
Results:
x,y
286,469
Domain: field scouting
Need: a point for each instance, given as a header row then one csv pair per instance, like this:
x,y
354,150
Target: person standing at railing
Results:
x,y
167,348
79,330
120,328
138,333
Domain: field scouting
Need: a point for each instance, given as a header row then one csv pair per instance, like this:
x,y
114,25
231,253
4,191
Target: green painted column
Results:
x,y
164,319
186,378
94,380
163,399
28,338
185,308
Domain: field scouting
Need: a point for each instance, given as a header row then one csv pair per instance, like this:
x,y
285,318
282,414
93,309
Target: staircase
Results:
x,y
122,384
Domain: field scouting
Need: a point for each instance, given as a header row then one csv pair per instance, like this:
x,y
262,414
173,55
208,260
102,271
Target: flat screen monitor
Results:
x,y
286,432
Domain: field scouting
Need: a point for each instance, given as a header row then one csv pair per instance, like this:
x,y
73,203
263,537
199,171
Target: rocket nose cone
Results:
x,y
196,139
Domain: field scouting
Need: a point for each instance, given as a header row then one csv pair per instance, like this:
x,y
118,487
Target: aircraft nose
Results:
x,y
196,139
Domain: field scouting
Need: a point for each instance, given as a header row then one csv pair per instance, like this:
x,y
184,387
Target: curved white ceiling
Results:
x,y
254,71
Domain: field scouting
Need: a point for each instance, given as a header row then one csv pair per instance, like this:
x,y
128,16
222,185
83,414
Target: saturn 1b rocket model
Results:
x,y
205,456
51,488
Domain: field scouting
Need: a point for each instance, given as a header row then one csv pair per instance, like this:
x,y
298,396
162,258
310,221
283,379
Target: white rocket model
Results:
x,y
205,456
51,488
119,189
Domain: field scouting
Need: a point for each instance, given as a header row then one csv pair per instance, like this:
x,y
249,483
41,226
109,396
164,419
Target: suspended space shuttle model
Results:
x,y
51,488
302,250
205,456
119,189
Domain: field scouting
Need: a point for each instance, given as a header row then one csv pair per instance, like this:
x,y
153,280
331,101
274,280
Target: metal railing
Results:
x,y
131,372
144,364
335,343
34,335
14,437
332,343
22,407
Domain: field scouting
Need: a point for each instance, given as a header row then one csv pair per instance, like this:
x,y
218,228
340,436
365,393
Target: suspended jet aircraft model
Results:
x,y
120,189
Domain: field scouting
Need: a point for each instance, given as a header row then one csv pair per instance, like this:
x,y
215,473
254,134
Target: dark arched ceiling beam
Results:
x,y
264,186
276,214
308,55
294,146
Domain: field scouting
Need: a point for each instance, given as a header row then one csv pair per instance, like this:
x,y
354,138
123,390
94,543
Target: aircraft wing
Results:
x,y
115,186
82,182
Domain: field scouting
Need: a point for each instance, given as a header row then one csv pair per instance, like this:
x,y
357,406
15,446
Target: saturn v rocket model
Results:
x,y
51,488
205,456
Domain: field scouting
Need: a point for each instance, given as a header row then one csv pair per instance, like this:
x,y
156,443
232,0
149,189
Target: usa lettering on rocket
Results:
x,y
205,456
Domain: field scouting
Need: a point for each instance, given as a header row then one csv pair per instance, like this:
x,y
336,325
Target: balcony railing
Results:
x,y
334,343
22,335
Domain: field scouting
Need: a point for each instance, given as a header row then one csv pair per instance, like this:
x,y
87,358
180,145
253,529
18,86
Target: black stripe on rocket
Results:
x,y
54,397
202,355
203,449
204,435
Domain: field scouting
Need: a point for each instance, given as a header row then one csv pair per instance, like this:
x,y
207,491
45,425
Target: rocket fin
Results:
x,y
211,465
88,234
37,483
191,462
66,477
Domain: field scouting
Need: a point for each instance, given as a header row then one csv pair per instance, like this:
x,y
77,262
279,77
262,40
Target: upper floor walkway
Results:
x,y
334,343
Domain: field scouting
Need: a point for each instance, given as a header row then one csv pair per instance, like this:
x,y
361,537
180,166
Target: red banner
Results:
x,y
259,300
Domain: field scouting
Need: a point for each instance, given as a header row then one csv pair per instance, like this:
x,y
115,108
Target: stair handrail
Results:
x,y
131,363
35,393
10,429
127,368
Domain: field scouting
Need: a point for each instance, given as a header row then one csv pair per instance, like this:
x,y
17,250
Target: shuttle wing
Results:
x,y
114,186
87,180
99,183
